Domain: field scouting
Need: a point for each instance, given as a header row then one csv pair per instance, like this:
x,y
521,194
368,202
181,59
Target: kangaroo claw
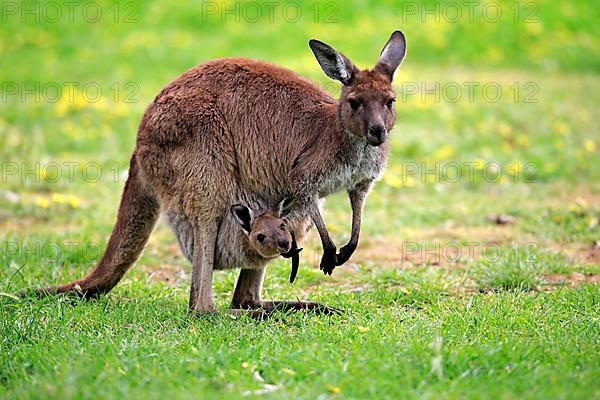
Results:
x,y
295,264
294,254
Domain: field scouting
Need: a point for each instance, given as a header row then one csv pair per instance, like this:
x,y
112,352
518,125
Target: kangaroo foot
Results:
x,y
318,308
73,290
196,309
258,314
269,307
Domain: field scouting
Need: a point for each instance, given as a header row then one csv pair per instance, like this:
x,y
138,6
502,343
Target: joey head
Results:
x,y
268,232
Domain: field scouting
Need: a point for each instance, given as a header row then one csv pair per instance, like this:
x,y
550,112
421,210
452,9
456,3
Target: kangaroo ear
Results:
x,y
334,64
285,206
392,54
243,216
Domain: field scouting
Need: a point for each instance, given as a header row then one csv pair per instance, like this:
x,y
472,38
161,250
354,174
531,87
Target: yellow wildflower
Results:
x,y
101,104
408,181
504,129
334,389
393,180
522,140
58,198
73,201
560,127
42,202
444,152
534,29
120,109
589,145
62,106
79,101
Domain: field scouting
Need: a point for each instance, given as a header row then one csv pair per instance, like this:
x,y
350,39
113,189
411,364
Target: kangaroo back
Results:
x,y
138,212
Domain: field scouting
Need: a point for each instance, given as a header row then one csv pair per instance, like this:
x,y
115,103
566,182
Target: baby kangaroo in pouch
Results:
x,y
269,235
246,133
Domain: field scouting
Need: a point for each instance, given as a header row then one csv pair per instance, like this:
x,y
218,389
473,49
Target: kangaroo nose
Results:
x,y
283,244
377,135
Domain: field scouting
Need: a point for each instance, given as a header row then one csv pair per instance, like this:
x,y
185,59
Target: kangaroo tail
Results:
x,y
138,212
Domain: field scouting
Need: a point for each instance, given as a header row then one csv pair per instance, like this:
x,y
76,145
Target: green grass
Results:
x,y
516,318
501,345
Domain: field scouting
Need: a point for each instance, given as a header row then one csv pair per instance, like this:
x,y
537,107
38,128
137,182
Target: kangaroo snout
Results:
x,y
283,244
376,135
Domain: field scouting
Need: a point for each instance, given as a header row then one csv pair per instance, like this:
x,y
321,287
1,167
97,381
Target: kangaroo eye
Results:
x,y
390,103
260,237
354,104
282,227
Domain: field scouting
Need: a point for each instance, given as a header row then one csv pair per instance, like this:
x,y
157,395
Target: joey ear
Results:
x,y
334,64
285,206
243,216
392,54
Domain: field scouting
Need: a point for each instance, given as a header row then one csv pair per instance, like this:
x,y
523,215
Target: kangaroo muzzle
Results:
x,y
376,135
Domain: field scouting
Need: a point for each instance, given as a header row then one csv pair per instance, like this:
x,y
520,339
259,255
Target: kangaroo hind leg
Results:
x,y
203,263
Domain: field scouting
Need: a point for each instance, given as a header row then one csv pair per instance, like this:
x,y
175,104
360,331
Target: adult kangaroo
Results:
x,y
232,125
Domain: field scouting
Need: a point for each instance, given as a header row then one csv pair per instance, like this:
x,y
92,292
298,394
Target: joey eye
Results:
x,y
390,103
282,227
354,104
260,237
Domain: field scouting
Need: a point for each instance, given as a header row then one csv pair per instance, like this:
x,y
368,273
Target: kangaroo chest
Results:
x,y
365,164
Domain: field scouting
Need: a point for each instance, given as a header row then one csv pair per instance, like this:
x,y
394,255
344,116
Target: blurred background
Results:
x,y
497,136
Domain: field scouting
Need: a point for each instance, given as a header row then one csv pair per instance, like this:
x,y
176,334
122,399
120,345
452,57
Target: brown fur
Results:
x,y
238,130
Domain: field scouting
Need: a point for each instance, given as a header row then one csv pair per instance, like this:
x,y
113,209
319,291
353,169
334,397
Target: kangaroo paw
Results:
x,y
328,262
345,254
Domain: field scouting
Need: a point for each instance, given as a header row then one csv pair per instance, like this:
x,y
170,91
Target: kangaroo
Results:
x,y
231,125
269,235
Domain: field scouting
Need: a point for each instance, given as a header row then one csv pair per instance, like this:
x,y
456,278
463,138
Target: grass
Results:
x,y
500,345
441,302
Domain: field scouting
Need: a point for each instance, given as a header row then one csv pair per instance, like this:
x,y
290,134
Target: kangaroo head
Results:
x,y
366,106
267,230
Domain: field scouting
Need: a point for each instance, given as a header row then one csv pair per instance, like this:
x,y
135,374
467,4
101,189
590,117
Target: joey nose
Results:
x,y
377,135
283,244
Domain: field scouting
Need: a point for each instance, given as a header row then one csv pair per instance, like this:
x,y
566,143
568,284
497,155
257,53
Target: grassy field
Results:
x,y
478,268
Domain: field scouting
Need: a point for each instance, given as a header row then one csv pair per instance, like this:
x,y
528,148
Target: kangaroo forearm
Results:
x,y
322,229
357,197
